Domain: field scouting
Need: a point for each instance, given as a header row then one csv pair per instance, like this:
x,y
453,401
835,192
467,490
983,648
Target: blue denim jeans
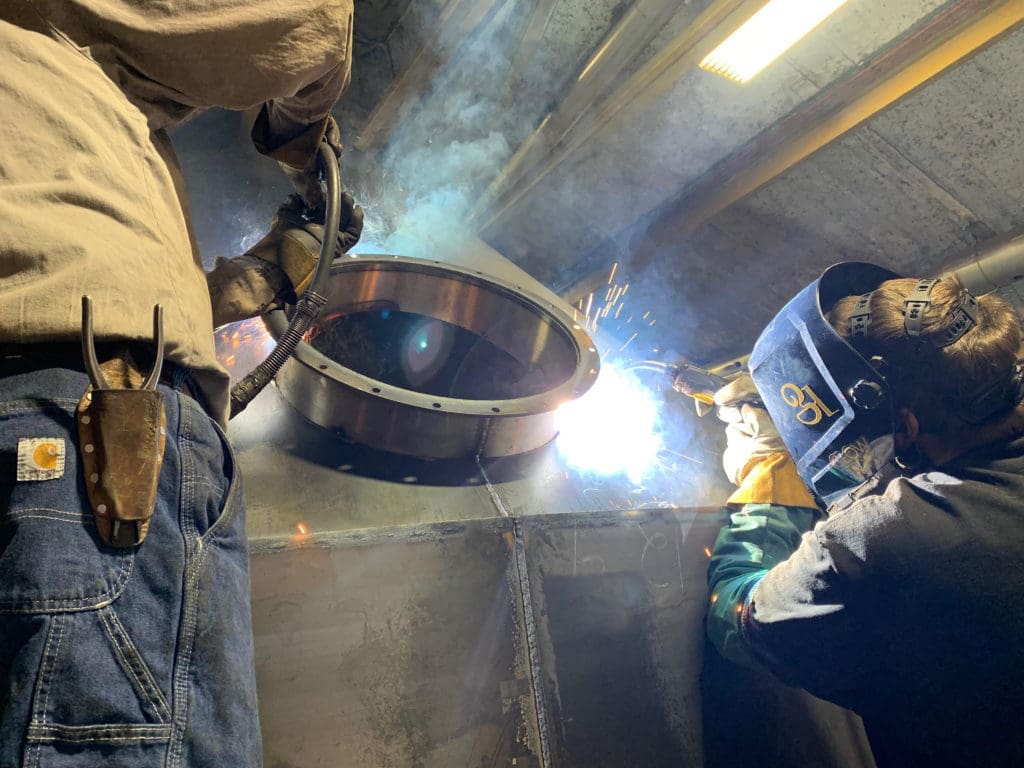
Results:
x,y
122,657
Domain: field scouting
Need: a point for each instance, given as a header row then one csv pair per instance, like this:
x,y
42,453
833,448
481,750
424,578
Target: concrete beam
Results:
x,y
589,109
940,43
540,17
459,20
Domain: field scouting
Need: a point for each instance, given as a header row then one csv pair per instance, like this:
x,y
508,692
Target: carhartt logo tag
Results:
x,y
40,458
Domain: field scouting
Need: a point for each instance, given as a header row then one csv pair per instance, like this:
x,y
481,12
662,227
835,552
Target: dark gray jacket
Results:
x,y
906,607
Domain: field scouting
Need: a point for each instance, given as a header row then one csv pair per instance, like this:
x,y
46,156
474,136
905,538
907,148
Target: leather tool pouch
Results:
x,y
121,434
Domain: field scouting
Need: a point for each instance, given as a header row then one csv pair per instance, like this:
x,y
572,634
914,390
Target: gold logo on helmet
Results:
x,y
810,409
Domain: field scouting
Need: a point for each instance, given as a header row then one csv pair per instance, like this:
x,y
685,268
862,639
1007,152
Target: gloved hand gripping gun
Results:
x,y
701,384
313,296
696,382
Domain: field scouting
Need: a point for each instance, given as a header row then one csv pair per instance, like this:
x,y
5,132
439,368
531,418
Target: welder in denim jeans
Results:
x,y
137,655
875,555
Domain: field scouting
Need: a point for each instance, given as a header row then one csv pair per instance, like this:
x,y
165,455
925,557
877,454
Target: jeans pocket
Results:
x,y
92,677
86,687
51,556
210,480
94,700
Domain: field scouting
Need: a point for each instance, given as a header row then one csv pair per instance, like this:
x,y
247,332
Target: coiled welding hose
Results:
x,y
312,301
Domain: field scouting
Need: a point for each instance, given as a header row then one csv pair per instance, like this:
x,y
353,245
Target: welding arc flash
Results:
x,y
613,428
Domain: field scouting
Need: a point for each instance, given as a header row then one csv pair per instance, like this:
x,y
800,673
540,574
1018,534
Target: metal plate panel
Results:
x,y
392,652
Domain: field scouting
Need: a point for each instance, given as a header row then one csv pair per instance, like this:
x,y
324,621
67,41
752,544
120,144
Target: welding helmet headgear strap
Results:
x,y
916,305
860,320
832,408
962,317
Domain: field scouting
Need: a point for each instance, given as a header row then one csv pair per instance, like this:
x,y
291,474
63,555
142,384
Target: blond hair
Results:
x,y
936,382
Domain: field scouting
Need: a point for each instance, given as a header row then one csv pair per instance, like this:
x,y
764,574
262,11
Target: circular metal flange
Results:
x,y
533,331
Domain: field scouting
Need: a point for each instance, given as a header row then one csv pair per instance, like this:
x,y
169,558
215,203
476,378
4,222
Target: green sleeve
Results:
x,y
759,537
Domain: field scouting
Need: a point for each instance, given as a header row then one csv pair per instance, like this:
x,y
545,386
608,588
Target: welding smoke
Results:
x,y
442,156
430,221
496,88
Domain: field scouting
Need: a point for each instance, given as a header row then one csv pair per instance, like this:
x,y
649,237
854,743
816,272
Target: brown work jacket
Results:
x,y
91,200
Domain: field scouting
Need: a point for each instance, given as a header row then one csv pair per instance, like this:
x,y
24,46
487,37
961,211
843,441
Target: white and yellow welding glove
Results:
x,y
280,267
755,458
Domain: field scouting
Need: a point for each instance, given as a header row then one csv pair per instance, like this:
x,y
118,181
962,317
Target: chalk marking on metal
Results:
x,y
643,555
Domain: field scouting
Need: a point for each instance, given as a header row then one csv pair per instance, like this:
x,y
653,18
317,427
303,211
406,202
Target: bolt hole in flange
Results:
x,y
432,360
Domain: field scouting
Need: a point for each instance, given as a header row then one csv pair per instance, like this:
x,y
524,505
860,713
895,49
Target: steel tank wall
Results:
x,y
511,613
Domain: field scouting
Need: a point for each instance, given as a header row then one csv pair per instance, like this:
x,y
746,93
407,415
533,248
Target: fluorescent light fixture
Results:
x,y
767,35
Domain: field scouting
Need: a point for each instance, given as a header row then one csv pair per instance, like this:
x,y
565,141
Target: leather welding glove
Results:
x,y
293,243
297,153
279,268
306,178
755,457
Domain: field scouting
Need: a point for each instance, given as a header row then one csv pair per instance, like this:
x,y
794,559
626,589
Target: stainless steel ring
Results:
x,y
531,330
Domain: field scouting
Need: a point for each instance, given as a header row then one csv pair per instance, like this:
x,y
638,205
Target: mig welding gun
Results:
x,y
701,384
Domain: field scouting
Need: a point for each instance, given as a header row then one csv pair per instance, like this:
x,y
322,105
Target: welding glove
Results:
x,y
755,457
279,268
297,153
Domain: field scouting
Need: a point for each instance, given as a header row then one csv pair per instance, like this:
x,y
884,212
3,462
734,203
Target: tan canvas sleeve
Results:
x,y
172,58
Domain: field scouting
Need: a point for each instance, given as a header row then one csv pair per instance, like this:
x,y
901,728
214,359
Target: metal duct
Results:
x,y
995,264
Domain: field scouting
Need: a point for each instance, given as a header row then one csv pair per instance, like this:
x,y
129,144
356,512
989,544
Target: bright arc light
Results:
x,y
767,35
613,428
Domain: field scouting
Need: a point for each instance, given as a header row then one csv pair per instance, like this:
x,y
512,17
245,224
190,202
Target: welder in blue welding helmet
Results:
x,y
833,407
876,538
838,396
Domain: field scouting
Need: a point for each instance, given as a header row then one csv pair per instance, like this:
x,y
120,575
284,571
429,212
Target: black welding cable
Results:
x,y
312,301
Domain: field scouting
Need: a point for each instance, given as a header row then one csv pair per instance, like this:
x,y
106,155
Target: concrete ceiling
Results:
x,y
575,135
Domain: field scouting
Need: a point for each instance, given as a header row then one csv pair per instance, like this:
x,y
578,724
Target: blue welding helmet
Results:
x,y
833,410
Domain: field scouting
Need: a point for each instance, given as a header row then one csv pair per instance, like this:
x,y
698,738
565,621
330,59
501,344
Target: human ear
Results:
x,y
907,429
